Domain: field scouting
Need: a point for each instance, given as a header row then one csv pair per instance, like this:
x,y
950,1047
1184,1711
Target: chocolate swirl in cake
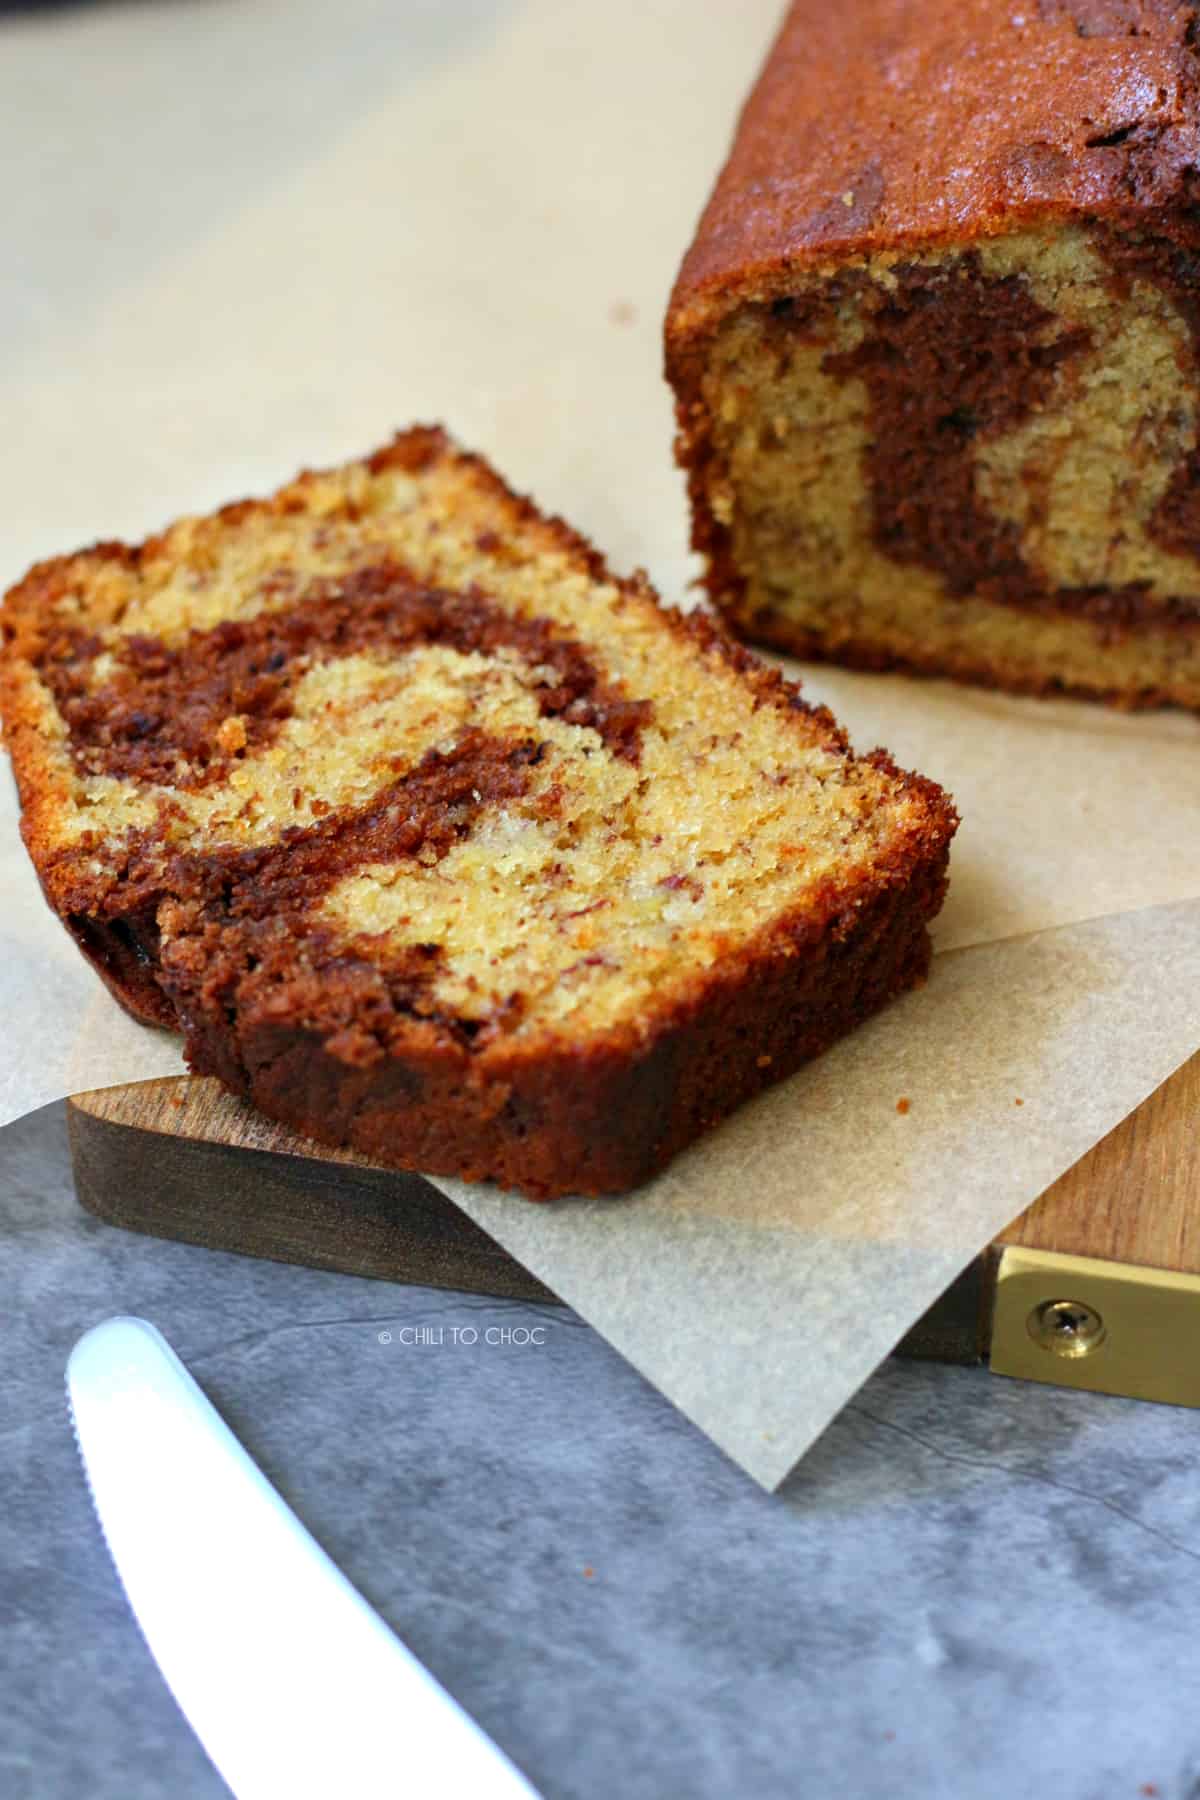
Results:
x,y
439,842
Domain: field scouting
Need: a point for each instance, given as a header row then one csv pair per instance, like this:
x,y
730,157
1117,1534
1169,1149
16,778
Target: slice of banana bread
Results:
x,y
439,842
936,346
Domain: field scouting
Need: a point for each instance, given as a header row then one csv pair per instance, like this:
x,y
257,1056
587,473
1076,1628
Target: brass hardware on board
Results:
x,y
1105,1327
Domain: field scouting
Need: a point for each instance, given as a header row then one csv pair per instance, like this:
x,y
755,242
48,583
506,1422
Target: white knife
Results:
x,y
290,1681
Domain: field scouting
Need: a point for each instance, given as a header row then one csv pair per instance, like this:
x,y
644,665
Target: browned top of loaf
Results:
x,y
899,123
394,758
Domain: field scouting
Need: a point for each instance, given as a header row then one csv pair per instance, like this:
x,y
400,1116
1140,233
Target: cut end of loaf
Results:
x,y
976,460
936,347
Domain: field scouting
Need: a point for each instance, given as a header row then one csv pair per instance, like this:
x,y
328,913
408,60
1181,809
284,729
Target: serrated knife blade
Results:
x,y
292,1683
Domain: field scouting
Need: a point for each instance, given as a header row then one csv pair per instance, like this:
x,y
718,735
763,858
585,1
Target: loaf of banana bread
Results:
x,y
438,841
936,345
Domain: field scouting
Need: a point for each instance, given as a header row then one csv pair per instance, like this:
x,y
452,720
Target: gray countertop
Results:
x,y
971,1587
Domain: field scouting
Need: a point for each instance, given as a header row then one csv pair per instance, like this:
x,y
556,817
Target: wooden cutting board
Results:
x,y
181,1159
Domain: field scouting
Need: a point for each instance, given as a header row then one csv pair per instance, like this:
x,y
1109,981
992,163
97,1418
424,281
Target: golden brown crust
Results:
x,y
351,1042
925,122
608,1116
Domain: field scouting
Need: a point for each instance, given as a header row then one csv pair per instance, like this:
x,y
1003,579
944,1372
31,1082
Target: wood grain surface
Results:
x,y
1135,1197
182,1159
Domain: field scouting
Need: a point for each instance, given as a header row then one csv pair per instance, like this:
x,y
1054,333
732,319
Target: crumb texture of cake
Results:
x,y
441,843
936,346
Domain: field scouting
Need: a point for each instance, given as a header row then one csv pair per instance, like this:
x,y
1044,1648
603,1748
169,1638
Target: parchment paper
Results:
x,y
492,245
